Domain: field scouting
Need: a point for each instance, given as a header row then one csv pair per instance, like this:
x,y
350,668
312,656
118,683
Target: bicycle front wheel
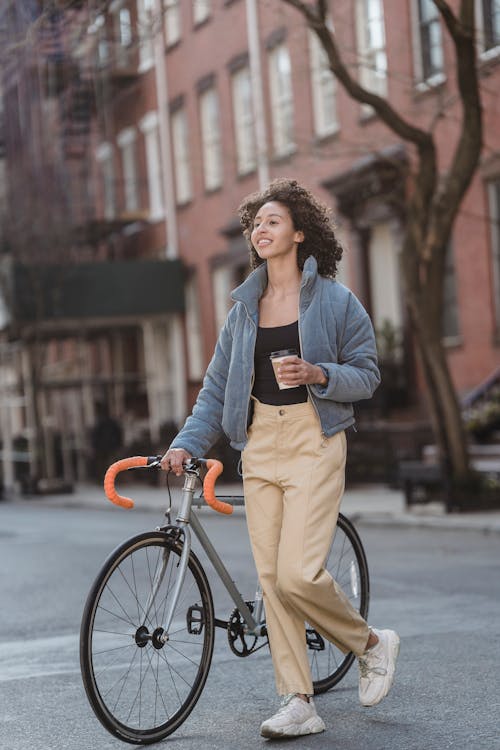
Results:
x,y
142,682
346,563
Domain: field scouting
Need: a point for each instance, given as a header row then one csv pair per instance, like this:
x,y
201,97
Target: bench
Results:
x,y
417,475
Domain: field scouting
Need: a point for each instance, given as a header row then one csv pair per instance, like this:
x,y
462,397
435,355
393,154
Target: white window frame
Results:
x,y
105,159
148,126
127,141
102,46
201,11
145,13
180,146
324,89
372,55
494,216
244,128
211,138
281,92
125,27
222,285
423,83
194,339
172,21
484,52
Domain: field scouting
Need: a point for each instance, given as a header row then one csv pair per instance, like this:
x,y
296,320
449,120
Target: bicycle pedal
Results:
x,y
195,619
314,641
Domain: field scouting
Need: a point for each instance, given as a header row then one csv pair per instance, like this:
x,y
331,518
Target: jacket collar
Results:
x,y
254,285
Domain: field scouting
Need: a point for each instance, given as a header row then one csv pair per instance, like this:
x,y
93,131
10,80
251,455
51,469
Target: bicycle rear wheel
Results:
x,y
140,683
346,563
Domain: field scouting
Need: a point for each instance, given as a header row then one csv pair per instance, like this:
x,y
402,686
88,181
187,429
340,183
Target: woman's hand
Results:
x,y
173,460
296,371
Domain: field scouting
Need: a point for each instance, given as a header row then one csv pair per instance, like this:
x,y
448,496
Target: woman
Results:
x,y
292,439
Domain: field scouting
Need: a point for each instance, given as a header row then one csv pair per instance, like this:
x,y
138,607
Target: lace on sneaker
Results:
x,y
365,668
284,703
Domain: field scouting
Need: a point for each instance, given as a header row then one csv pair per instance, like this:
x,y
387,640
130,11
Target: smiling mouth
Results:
x,y
261,243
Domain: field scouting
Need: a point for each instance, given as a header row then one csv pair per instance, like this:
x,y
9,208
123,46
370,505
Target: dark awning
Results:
x,y
96,290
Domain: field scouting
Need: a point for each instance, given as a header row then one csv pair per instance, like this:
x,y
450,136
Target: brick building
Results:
x,y
164,114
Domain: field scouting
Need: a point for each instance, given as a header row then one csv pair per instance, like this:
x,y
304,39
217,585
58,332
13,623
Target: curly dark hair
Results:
x,y
308,215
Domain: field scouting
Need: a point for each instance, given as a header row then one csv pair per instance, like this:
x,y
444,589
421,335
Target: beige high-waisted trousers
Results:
x,y
293,483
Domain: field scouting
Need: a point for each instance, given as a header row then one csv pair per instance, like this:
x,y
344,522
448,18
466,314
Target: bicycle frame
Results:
x,y
186,519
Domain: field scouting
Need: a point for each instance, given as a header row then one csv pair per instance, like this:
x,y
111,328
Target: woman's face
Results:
x,y
273,234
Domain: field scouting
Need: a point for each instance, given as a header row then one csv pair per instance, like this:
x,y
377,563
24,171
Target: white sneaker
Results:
x,y
294,718
376,667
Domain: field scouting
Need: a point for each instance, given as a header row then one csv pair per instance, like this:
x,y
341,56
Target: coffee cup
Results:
x,y
276,359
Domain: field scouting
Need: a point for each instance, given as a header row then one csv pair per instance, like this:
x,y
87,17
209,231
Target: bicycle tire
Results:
x,y
347,564
141,689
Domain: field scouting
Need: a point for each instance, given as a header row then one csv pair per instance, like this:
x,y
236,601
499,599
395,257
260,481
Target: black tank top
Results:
x,y
265,387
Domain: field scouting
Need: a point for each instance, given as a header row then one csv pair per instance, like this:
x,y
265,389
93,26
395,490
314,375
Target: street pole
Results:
x,y
171,232
257,93
175,328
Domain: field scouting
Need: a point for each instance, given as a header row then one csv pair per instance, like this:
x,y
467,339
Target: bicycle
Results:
x,y
148,626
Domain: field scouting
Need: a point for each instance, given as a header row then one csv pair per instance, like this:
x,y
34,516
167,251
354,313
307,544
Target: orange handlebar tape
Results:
x,y
116,468
214,470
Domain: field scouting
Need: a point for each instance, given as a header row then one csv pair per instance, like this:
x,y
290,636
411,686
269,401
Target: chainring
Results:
x,y
240,643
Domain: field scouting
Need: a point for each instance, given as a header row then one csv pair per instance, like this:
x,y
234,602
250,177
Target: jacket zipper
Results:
x,y
252,379
307,386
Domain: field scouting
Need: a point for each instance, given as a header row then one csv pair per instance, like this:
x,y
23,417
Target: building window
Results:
x,y
201,11
243,121
123,37
323,89
450,321
211,138
489,26
494,210
193,331
127,143
371,45
172,21
430,62
145,12
99,28
104,157
149,127
180,143
280,82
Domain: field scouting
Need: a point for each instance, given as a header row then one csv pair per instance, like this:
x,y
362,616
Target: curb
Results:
x,y
361,509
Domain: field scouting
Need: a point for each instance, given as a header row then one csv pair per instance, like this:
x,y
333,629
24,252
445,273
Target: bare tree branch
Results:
x,y
386,112
469,145
450,19
322,10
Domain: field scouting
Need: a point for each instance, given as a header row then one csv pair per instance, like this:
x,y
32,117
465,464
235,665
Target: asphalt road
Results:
x,y
439,589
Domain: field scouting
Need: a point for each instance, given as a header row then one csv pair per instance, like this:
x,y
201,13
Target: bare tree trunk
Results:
x,y
443,404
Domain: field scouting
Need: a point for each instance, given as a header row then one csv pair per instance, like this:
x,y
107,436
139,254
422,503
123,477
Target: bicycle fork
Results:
x,y
183,525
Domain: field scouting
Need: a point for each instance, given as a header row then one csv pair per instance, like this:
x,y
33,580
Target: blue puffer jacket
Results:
x,y
335,333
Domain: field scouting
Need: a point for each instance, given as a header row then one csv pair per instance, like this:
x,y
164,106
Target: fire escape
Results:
x,y
101,305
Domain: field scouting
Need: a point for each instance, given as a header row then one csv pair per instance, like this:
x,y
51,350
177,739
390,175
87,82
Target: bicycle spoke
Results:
x,y
110,666
170,666
136,598
122,608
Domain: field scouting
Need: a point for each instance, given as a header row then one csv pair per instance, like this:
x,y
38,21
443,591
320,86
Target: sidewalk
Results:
x,y
365,504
